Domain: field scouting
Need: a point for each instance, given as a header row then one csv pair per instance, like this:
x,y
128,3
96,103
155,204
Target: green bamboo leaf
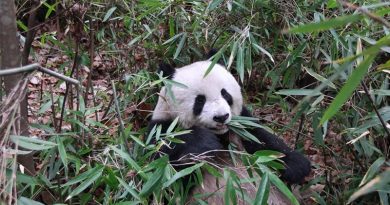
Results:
x,y
263,191
320,78
45,107
283,188
109,13
261,49
263,156
26,201
152,182
22,25
354,80
181,174
309,92
326,24
172,125
381,182
134,40
347,90
62,151
180,45
85,184
130,189
215,58
32,143
130,160
232,54
83,176
240,63
214,4
373,170
173,38
245,134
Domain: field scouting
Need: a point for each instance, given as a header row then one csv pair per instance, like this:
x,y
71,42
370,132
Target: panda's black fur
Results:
x,y
203,139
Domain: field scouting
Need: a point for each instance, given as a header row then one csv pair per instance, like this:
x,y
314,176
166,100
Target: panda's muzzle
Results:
x,y
221,118
219,127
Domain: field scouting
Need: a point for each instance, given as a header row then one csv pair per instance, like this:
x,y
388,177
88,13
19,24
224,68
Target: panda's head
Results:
x,y
209,101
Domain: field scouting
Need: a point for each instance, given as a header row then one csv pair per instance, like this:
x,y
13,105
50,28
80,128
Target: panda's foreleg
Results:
x,y
199,141
297,166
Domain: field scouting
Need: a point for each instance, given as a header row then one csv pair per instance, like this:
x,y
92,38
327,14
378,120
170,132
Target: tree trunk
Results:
x,y
11,58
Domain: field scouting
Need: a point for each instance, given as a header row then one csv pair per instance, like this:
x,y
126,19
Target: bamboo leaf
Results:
x,y
347,90
109,13
173,38
214,4
263,191
181,174
180,45
152,183
240,63
373,170
256,46
355,78
232,54
327,24
62,151
216,57
82,176
32,143
85,184
320,78
130,189
26,201
283,188
130,160
381,182
304,92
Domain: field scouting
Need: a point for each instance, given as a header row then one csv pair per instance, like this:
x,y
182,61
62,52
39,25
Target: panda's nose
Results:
x,y
221,118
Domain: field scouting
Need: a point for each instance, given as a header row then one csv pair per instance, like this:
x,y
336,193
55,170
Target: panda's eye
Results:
x,y
200,100
227,96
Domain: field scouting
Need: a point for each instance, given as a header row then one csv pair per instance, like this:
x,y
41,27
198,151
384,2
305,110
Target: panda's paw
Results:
x,y
297,167
206,145
201,141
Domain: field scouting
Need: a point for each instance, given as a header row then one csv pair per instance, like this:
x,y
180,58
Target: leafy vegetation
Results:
x,y
315,71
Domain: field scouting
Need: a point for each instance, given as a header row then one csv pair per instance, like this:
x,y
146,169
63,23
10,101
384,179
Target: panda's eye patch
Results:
x,y
227,96
200,100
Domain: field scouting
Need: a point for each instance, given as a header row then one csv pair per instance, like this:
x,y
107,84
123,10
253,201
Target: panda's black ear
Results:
x,y
167,70
211,53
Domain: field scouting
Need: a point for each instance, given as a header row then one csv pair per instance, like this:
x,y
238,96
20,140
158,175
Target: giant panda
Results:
x,y
204,105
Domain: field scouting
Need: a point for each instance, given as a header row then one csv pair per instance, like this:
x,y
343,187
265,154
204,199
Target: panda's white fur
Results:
x,y
196,83
192,76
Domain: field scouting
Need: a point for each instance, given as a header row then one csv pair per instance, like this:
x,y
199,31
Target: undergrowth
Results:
x,y
316,71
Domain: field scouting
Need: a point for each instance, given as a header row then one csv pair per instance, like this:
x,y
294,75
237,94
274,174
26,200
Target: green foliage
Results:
x,y
308,58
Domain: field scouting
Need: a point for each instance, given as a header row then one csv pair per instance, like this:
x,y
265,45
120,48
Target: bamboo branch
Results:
x,y
377,114
118,114
36,66
366,12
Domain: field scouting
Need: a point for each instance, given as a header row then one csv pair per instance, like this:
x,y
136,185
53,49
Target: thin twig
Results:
x,y
36,66
366,12
121,124
60,76
76,55
30,33
26,68
108,108
379,116
299,130
53,111
91,56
